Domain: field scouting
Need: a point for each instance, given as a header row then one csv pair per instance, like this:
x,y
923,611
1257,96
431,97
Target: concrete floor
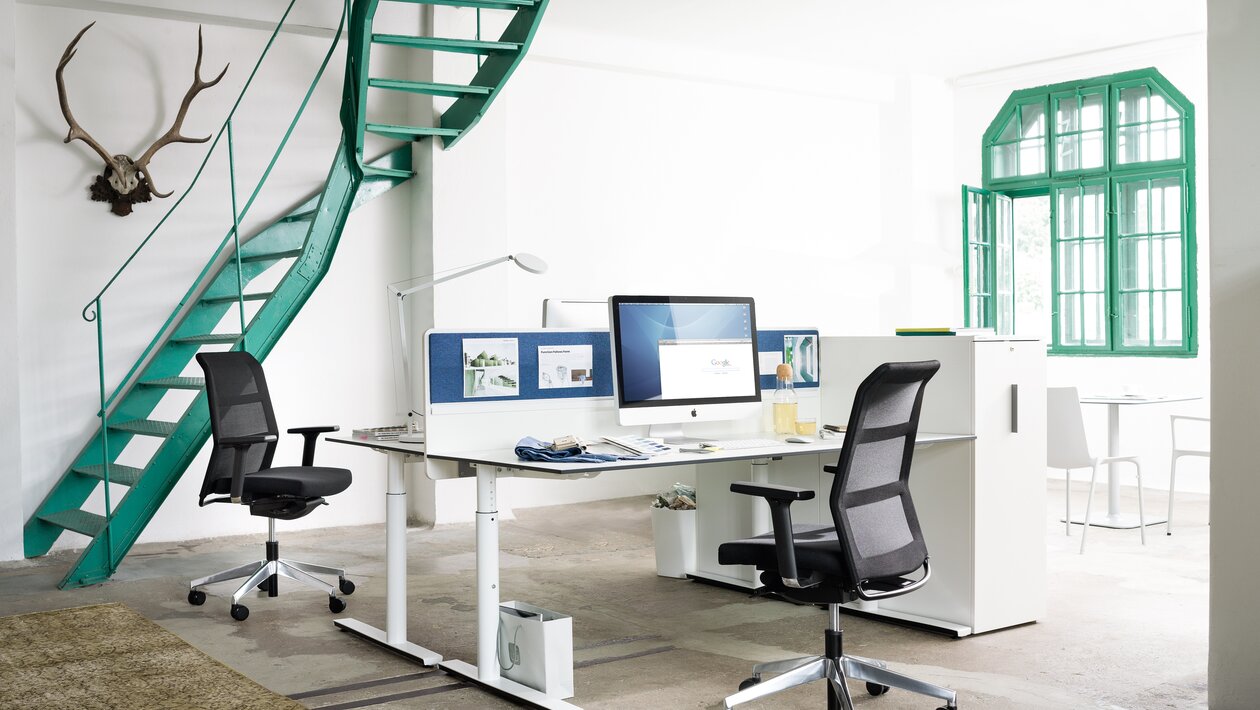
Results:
x,y
1126,625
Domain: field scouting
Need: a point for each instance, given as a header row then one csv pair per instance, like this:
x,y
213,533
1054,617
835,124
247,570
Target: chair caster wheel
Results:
x,y
240,612
749,682
336,605
196,597
345,585
877,689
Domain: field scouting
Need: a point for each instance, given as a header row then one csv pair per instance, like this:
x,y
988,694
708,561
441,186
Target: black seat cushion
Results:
x,y
298,481
817,550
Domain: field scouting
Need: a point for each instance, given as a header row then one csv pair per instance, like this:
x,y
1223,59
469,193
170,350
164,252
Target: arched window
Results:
x,y
1112,161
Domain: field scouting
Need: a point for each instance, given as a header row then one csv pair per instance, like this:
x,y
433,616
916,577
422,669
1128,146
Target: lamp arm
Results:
x,y
430,282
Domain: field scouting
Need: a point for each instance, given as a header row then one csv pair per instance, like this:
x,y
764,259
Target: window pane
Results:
x,y
1093,266
1091,112
1131,263
1070,319
1034,120
1068,153
1092,150
1010,131
1004,160
1129,144
1067,217
1167,267
1168,318
1032,156
1095,325
1133,208
1137,318
1069,266
1067,117
1133,104
1094,211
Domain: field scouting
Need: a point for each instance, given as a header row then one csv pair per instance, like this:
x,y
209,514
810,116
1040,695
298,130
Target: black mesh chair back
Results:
x,y
240,405
870,496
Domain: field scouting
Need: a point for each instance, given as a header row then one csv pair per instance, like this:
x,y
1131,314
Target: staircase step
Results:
x,y
122,475
209,339
232,298
446,44
409,133
176,383
147,427
272,256
79,521
480,4
392,173
430,88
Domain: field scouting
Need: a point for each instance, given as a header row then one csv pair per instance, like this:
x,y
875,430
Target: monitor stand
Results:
x,y
672,433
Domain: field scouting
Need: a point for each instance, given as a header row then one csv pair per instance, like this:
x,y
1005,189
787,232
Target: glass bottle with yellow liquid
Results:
x,y
784,401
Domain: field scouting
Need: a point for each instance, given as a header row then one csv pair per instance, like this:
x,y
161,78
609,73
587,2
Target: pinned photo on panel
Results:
x,y
565,366
491,367
801,352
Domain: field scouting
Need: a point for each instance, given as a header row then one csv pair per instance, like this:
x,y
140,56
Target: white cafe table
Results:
x,y
1114,518
394,636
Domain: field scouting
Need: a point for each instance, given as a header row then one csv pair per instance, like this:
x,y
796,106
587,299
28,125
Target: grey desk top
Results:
x,y
1136,399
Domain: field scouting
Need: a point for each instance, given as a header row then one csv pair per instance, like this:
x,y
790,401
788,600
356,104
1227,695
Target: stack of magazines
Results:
x,y
381,433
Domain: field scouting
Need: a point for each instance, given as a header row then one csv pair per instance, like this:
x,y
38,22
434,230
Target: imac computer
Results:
x,y
680,359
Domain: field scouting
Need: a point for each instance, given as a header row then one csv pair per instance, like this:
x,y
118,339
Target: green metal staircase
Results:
x,y
306,240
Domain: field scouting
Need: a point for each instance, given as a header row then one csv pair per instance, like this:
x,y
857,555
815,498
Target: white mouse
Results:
x,y
799,440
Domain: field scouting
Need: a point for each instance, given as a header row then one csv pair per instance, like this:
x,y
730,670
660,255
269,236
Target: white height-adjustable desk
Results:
x,y
1114,518
394,636
493,463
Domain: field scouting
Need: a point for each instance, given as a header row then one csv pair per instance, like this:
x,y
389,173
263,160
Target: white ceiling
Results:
x,y
940,37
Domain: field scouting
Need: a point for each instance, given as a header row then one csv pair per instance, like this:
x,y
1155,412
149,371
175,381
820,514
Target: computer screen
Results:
x,y
678,358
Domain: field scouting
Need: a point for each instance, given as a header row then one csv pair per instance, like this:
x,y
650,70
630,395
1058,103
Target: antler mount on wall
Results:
x,y
126,181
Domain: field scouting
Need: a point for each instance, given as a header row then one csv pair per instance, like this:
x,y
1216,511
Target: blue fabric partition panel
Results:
x,y
555,364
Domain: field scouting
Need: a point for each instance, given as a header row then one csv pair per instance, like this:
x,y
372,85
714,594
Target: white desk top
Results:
x,y
416,449
1136,399
506,457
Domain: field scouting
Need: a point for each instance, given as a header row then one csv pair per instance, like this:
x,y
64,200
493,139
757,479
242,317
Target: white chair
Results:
x,y
1068,448
1178,452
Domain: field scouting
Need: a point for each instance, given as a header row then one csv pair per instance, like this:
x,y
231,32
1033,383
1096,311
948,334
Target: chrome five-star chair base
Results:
x,y
836,668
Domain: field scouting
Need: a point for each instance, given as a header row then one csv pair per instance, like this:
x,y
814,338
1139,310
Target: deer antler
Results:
x,y
173,135
76,131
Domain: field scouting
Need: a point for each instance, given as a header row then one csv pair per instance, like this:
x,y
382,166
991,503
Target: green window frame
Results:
x,y
1118,166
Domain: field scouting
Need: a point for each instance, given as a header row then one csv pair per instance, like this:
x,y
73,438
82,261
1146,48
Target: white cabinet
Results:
x,y
981,505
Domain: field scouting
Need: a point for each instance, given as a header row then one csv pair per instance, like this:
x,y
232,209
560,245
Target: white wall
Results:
x,y
124,85
1234,626
11,517
1144,429
634,167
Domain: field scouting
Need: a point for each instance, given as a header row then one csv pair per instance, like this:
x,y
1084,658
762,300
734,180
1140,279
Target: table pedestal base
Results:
x,y
507,688
1125,521
377,636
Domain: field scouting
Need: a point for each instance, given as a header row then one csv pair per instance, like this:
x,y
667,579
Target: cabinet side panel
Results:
x,y
1010,485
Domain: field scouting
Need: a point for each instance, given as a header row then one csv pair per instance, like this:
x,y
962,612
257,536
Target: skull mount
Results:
x,y
127,181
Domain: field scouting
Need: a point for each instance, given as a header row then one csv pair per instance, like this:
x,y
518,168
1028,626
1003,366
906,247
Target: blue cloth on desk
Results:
x,y
531,449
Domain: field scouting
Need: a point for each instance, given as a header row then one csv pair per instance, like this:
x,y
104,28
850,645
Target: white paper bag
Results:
x,y
536,648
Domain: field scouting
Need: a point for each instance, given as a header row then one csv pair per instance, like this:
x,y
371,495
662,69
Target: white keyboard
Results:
x,y
732,444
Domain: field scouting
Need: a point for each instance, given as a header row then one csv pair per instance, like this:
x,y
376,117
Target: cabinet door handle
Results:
x,y
1014,409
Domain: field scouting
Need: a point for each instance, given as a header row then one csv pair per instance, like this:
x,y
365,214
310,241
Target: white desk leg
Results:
x,y
395,634
487,575
760,471
486,672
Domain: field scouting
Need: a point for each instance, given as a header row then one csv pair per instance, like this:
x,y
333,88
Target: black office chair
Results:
x,y
879,540
240,472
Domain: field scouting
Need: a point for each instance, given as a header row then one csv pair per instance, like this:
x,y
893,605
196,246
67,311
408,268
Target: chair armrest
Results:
x,y
310,435
240,442
780,499
770,491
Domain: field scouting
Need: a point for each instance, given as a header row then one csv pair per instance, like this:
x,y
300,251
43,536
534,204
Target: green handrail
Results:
x,y
93,311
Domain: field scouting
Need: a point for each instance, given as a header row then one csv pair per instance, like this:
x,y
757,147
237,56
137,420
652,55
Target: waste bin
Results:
x,y
674,532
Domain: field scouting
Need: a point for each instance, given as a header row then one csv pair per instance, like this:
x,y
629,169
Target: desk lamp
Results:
x,y
398,295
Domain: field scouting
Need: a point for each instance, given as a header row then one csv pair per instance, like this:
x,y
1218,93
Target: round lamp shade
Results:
x,y
530,263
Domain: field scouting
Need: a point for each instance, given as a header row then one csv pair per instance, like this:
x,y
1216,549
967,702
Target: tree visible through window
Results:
x,y
1113,157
